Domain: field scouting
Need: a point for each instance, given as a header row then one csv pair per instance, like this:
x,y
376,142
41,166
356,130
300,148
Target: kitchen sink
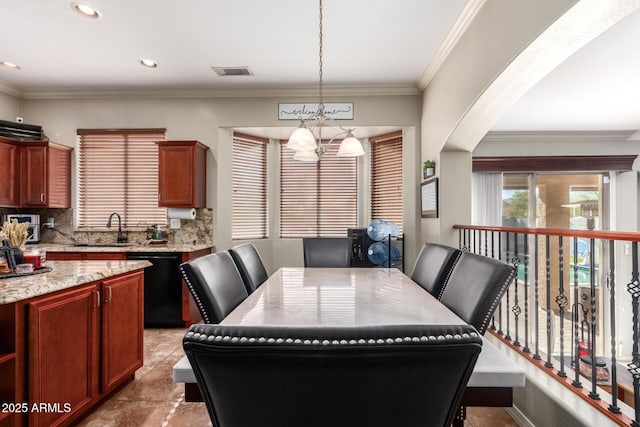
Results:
x,y
104,245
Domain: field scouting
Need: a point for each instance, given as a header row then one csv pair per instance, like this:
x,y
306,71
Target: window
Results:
x,y
249,200
386,177
317,199
118,172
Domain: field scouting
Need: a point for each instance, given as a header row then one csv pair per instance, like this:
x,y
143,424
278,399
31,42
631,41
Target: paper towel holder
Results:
x,y
181,213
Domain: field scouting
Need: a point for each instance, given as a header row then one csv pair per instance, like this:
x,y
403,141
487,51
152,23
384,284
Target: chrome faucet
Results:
x,y
121,237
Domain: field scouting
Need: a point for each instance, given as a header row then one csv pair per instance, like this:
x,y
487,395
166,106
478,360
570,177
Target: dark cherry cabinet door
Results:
x,y
33,165
182,172
59,177
122,328
10,167
63,354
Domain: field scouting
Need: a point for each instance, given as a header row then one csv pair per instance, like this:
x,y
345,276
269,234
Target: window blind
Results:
x,y
249,200
386,177
317,199
118,172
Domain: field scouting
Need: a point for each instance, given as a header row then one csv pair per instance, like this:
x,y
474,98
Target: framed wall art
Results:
x,y
429,198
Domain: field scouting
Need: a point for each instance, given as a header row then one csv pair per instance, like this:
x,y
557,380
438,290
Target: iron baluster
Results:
x,y
508,335
526,294
500,331
592,280
516,303
613,407
548,363
493,255
562,301
633,288
536,355
576,319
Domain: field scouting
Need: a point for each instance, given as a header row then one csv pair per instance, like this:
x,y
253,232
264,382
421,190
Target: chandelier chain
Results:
x,y
321,105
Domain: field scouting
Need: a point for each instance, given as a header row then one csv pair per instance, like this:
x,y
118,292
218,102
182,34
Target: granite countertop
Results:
x,y
121,247
64,274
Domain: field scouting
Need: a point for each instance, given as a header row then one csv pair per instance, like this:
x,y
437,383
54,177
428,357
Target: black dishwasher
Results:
x,y
162,288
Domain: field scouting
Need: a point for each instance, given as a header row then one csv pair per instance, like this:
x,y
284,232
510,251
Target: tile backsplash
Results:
x,y
197,231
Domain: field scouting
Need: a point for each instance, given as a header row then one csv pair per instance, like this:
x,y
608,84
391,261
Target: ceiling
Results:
x,y
367,43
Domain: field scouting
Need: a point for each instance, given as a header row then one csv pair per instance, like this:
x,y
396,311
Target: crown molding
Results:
x,y
382,90
460,25
562,136
10,90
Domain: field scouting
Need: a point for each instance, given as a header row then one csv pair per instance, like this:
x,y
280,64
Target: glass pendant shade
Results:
x,y
306,156
302,139
350,147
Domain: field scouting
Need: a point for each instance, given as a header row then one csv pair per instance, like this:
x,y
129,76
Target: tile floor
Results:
x,y
153,400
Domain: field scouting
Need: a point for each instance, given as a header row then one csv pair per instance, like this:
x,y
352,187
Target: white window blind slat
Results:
x,y
317,199
249,198
118,172
386,177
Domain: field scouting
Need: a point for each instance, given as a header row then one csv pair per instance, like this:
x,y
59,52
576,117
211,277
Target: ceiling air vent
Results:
x,y
232,71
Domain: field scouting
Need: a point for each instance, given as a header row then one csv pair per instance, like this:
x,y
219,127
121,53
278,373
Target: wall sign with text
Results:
x,y
305,110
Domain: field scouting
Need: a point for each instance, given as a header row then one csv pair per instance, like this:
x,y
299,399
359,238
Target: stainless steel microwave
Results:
x,y
33,231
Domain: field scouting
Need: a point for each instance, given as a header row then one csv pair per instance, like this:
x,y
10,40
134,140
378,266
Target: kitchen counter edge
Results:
x,y
64,275
136,247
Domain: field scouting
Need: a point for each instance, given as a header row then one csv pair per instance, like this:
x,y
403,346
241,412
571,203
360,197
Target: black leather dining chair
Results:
x,y
475,287
249,265
327,251
215,284
433,266
401,375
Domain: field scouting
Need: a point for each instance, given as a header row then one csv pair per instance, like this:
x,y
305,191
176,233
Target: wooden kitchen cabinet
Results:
x,y
122,328
10,167
38,174
45,175
67,351
63,353
86,256
182,174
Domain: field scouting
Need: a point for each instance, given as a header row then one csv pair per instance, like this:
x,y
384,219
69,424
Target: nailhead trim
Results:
x,y
330,342
195,296
446,279
487,317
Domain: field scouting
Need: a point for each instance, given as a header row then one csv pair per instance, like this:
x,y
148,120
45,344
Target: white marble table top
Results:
x,y
358,296
340,296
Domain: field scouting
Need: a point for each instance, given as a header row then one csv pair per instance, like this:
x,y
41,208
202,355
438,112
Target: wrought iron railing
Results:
x,y
573,310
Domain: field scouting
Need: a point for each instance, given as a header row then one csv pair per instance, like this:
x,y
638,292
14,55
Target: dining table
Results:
x,y
299,296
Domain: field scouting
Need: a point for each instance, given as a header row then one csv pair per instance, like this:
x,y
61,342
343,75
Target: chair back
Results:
x,y
215,283
327,251
433,266
249,265
401,375
475,288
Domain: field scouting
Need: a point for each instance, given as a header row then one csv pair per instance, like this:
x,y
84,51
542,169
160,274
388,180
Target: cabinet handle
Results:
x,y
97,298
110,295
42,197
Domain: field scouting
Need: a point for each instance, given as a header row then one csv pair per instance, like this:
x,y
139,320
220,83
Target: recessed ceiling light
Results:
x,y
149,63
85,10
9,65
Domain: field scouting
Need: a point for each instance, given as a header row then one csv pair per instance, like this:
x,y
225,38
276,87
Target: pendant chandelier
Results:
x,y
307,147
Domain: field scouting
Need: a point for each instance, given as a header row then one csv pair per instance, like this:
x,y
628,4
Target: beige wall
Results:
x,y
9,107
499,33
508,48
210,120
